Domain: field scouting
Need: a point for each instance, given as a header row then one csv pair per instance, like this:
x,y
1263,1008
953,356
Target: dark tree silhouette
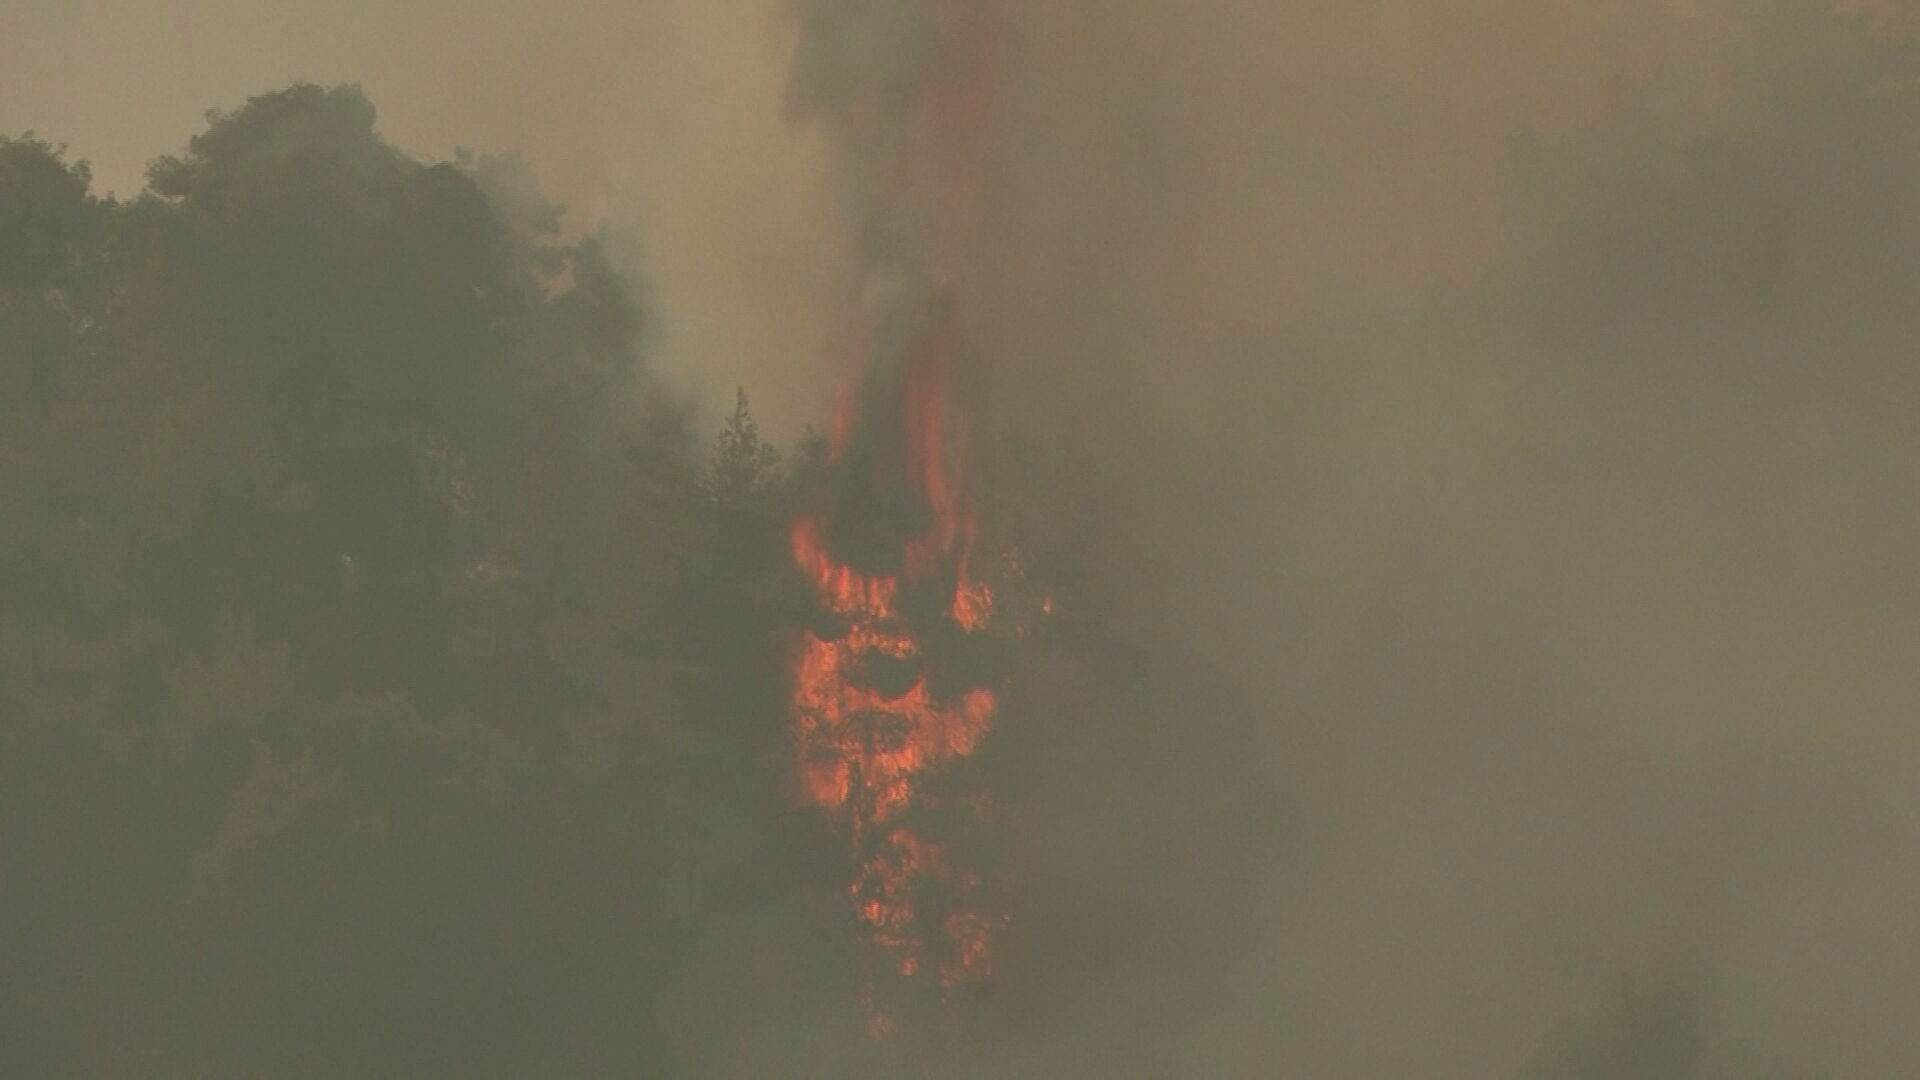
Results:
x,y
388,682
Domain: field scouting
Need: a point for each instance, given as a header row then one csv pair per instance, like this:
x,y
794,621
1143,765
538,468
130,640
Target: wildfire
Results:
x,y
869,724
883,698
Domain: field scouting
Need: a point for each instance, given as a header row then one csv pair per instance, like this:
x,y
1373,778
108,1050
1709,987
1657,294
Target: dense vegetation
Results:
x,y
1511,680
390,672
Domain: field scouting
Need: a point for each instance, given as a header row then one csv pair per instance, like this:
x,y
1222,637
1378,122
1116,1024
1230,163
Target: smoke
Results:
x,y
660,116
1471,444
1485,431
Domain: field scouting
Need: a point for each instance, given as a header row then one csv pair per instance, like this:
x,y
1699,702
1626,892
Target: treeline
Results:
x,y
390,668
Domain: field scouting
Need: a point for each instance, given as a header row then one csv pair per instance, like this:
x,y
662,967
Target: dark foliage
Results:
x,y
389,683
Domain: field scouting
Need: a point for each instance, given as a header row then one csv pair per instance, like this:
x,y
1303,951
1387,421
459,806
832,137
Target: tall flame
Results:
x,y
869,722
877,706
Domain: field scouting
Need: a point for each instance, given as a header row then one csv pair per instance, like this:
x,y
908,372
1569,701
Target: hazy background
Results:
x,y
1474,442
658,115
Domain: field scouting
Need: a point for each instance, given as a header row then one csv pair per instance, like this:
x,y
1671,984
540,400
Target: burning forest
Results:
x,y
1471,447
893,684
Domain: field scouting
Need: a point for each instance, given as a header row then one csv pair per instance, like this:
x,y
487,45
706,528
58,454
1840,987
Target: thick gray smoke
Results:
x,y
1472,446
1491,427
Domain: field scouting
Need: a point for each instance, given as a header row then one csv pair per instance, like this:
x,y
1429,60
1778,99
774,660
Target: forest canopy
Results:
x,y
363,590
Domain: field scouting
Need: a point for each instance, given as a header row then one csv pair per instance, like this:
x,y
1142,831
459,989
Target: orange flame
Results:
x,y
871,717
862,746
864,740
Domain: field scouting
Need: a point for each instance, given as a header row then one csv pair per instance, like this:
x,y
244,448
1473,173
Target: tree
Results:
x,y
388,679
743,463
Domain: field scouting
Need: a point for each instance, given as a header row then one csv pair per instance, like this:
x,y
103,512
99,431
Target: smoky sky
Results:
x,y
662,116
1509,404
1488,427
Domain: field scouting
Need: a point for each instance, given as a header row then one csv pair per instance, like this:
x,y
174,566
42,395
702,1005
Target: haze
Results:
x,y
1473,444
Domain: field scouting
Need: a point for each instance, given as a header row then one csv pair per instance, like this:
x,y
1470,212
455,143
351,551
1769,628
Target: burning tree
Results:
x,y
893,683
